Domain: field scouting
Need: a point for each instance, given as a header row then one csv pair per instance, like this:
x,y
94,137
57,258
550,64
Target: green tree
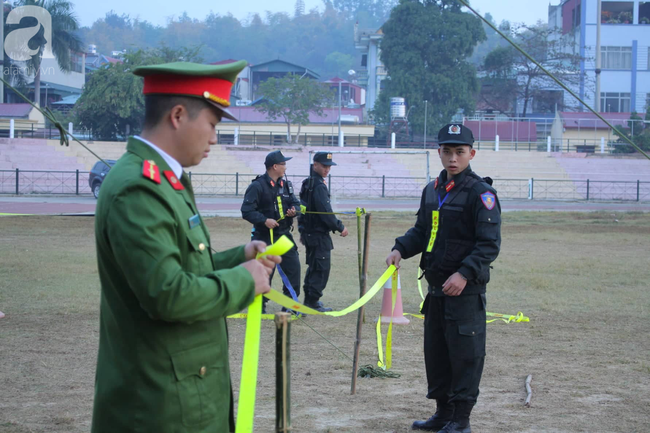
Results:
x,y
637,132
292,98
368,13
112,101
425,50
65,40
512,73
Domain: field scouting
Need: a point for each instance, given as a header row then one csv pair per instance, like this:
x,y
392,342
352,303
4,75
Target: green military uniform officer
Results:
x,y
162,364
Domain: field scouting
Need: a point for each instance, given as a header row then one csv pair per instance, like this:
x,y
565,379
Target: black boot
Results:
x,y
444,414
316,305
460,421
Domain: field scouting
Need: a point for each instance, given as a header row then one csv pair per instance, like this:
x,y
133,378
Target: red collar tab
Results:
x,y
150,171
211,88
173,180
272,183
281,183
435,186
450,186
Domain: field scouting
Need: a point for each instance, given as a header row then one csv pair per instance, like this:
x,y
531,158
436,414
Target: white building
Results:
x,y
372,72
625,40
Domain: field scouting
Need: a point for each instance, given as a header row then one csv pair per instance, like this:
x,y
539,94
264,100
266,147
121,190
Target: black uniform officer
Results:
x,y
270,204
458,232
315,230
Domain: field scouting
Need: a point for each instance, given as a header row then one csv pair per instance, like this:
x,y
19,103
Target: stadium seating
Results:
x,y
376,174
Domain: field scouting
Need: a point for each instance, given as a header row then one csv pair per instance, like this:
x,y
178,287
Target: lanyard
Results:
x,y
448,188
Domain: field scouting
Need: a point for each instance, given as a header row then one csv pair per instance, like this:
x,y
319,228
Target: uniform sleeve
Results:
x,y
143,234
250,206
296,204
322,203
487,217
229,258
412,243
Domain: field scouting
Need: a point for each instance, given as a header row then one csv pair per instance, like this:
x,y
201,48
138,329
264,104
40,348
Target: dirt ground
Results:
x,y
581,278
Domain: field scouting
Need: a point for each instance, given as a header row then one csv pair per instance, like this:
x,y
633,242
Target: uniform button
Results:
x,y
201,246
473,333
202,371
489,219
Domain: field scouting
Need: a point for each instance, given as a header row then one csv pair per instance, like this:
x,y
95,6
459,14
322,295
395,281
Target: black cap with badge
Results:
x,y
324,158
455,133
275,157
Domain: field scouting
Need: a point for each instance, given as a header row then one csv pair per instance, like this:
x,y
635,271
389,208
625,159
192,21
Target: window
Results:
x,y
644,13
547,101
617,13
615,102
76,60
616,57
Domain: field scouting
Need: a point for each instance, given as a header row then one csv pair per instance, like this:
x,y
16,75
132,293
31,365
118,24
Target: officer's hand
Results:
x,y
291,212
271,223
344,233
454,285
252,248
394,258
260,270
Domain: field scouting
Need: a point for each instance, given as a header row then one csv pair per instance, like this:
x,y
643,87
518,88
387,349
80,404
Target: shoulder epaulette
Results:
x,y
150,171
173,180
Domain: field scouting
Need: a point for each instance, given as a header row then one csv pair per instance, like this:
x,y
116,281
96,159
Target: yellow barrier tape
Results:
x,y
15,214
264,316
389,334
289,303
248,384
279,248
507,318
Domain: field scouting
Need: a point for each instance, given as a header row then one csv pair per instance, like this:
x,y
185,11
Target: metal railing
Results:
x,y
259,138
46,131
23,182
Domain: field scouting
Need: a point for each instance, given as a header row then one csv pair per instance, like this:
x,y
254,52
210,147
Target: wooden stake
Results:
x,y
529,390
362,291
282,373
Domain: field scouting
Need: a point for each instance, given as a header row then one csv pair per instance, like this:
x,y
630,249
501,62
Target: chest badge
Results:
x,y
194,221
489,200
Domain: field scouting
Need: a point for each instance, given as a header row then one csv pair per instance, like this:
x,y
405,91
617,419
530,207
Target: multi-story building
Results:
x,y
372,72
625,49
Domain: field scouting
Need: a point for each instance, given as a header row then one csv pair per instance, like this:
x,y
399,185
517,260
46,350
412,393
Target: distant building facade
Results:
x,y
372,72
625,49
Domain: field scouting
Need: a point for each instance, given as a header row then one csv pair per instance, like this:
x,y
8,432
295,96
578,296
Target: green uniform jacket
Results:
x,y
162,365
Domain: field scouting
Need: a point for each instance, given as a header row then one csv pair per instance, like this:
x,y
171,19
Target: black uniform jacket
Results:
x,y
261,202
468,238
317,201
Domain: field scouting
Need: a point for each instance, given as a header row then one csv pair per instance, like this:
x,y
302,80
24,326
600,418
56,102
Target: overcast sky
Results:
x,y
159,11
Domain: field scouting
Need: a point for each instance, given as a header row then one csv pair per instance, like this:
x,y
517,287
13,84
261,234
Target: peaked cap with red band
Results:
x,y
211,83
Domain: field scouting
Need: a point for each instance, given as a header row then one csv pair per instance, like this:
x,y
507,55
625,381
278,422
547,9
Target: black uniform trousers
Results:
x,y
319,250
454,346
290,261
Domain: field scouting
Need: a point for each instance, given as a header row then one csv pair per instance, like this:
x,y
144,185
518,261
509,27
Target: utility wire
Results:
x,y
561,84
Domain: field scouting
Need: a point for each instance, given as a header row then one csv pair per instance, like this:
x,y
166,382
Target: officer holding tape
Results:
x,y
458,233
270,205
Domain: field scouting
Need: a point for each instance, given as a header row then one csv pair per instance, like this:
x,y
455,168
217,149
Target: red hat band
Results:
x,y
215,89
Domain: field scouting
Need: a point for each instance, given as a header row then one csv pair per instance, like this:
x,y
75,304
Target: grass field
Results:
x,y
582,278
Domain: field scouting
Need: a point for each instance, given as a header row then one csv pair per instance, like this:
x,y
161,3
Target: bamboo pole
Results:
x,y
363,284
282,373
